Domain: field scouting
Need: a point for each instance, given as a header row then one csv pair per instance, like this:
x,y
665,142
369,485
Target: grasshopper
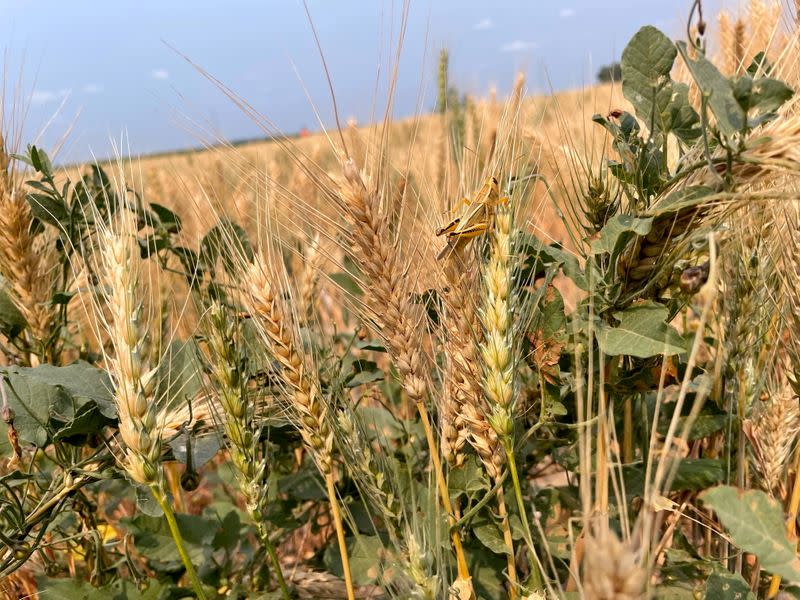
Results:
x,y
473,220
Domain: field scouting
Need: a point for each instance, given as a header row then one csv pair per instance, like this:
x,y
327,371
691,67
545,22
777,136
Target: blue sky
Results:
x,y
104,67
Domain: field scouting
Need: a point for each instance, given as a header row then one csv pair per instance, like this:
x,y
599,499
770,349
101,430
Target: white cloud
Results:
x,y
92,88
566,13
159,74
483,25
518,46
47,96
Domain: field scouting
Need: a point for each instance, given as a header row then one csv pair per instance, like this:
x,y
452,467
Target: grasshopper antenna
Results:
x,y
328,78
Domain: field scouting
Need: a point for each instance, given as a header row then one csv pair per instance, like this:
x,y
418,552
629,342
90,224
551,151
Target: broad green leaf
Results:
x,y
153,540
146,503
680,199
32,402
703,426
49,209
227,242
40,161
756,523
47,398
381,423
646,63
718,90
230,532
167,219
769,94
724,585
88,420
467,479
489,534
347,282
364,552
303,485
642,332
692,474
178,379
81,381
677,114
121,589
487,571
618,231
12,321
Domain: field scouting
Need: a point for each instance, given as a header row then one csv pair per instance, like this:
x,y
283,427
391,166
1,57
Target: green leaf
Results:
x,y
646,63
724,585
228,242
718,90
769,94
755,522
692,474
489,534
40,161
230,533
364,552
12,321
178,379
82,381
467,479
170,221
154,541
78,589
49,209
703,426
681,199
642,332
347,282
364,376
677,113
381,423
618,231
88,420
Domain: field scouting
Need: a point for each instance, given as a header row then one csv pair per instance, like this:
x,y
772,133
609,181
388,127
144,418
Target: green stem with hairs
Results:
x,y
536,574
276,563
161,498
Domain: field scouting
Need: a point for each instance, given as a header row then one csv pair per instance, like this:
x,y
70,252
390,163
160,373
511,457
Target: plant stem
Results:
x,y
461,561
161,498
536,574
509,540
276,563
337,522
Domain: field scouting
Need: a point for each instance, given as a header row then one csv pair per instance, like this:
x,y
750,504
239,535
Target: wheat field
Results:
x,y
521,347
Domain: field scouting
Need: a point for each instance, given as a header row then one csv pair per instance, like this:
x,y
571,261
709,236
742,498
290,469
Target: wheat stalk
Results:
x,y
27,265
392,311
121,273
277,329
238,423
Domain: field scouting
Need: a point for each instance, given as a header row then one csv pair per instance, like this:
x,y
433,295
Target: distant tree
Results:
x,y
612,72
